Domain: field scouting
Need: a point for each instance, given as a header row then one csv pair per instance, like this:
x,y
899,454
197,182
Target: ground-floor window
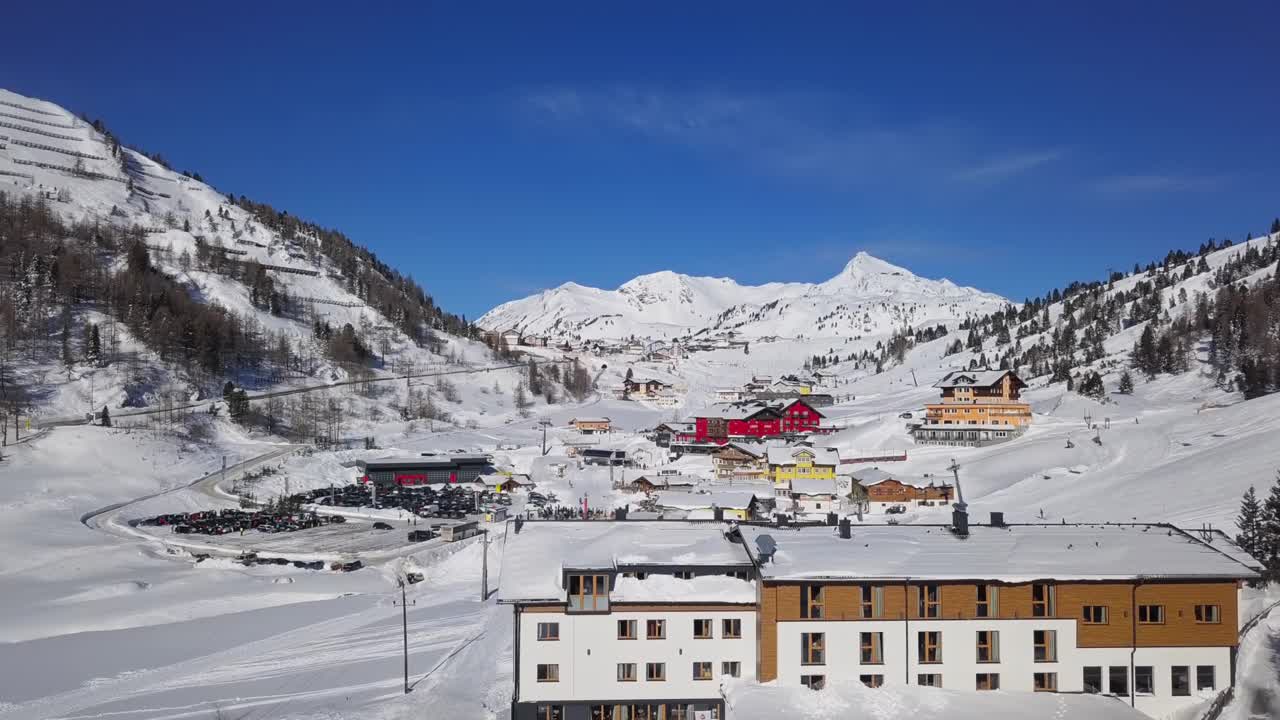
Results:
x,y
929,679
1046,682
813,682
550,712
731,669
988,681
1180,679
1118,679
1205,679
1093,679
871,681
1144,680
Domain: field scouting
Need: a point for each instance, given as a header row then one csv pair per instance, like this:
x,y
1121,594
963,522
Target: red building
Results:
x,y
756,420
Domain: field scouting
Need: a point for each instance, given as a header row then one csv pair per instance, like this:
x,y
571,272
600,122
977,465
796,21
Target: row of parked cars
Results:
x,y
450,502
227,521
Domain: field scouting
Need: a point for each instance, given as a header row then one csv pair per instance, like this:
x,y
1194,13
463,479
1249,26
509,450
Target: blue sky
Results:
x,y
492,150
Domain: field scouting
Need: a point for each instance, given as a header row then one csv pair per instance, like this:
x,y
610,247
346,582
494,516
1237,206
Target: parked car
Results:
x,y
420,535
414,578
905,416
381,526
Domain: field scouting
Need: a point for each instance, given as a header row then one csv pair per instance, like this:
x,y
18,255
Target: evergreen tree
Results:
x,y
1249,521
106,417
1126,383
1269,531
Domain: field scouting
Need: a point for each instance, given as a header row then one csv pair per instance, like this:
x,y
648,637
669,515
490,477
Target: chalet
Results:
x,y
756,420
883,490
809,496
535,340
978,407
728,394
591,426
645,388
510,337
605,456
815,400
740,460
505,482
667,432
663,481
802,461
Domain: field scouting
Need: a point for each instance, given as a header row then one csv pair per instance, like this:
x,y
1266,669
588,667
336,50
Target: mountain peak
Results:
x,y
864,263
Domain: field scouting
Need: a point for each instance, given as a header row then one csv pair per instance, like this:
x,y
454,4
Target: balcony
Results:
x,y
979,401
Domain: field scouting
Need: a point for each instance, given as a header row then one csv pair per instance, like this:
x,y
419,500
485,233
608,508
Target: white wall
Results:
x,y
1016,665
589,651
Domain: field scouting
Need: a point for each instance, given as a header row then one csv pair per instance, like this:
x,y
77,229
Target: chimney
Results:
x,y
717,512
782,519
846,529
997,519
519,524
620,513
960,520
832,518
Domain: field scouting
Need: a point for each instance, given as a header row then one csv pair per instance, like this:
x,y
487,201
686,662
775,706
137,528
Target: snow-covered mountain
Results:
x,y
868,297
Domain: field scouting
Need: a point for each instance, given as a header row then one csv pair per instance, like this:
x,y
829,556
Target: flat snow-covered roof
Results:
x,y
1017,553
813,486
534,559
731,499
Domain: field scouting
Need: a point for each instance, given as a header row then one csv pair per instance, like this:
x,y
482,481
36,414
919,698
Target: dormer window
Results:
x,y
589,593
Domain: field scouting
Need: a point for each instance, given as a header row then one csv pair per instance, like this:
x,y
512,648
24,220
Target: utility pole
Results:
x,y
484,567
223,478
404,626
913,378
955,471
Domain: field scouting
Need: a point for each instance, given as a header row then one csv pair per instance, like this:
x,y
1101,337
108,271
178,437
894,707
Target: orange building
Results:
x,y
978,407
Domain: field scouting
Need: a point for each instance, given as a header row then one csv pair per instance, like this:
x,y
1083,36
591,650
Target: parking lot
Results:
x,y
357,536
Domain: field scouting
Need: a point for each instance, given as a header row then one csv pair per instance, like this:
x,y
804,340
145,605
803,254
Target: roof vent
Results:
x,y
960,520
846,529
997,519
519,524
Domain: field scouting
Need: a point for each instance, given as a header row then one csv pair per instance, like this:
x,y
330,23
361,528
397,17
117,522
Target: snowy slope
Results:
x,y
867,297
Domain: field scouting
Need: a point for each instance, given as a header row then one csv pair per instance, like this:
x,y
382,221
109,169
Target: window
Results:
x,y
1046,682
1042,604
813,649
928,605
1180,680
675,712
626,672
548,631
988,681
811,602
1094,614
550,712
872,601
988,646
655,672
1208,614
702,671
683,574
626,629
871,681
929,680
1093,679
731,629
731,669
1151,614
1144,680
655,629
588,593
702,629
1118,678
872,648
929,646
813,682
548,673
1046,645
1205,679
988,601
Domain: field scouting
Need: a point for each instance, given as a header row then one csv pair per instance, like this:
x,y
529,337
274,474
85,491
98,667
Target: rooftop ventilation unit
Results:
x,y
766,548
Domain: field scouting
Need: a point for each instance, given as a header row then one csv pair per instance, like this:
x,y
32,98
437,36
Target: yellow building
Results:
x,y
802,462
977,407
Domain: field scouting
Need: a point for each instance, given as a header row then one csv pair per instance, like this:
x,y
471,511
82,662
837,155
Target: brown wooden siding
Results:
x,y
767,633
1180,628
1118,631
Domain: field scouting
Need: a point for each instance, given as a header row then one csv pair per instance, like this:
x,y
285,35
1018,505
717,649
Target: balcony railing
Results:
x,y
979,401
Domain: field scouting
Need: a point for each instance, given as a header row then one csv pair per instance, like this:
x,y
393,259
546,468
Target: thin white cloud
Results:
x,y
813,136
1159,183
1004,167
